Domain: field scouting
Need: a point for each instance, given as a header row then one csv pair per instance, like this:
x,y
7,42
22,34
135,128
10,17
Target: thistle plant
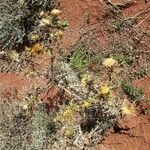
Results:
x,y
128,109
12,29
18,18
21,130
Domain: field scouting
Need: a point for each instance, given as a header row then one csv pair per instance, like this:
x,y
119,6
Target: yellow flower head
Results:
x,y
59,34
104,90
55,12
42,13
37,48
44,22
25,107
128,109
34,37
86,79
73,107
14,55
69,132
109,62
30,72
87,104
68,115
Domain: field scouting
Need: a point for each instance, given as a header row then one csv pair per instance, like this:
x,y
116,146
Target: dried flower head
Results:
x,y
69,132
104,90
109,62
87,104
86,78
59,34
41,13
34,37
37,48
44,22
68,114
25,107
128,109
14,55
55,12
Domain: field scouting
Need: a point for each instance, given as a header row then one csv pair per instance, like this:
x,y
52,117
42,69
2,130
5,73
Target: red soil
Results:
x,y
86,15
15,86
144,84
135,135
82,16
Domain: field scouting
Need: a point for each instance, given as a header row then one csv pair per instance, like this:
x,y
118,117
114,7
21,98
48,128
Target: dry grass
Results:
x,y
90,80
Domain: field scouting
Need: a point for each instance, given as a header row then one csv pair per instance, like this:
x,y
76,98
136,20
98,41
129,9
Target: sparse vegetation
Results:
x,y
128,109
78,60
134,93
122,59
18,19
122,25
93,83
20,129
142,73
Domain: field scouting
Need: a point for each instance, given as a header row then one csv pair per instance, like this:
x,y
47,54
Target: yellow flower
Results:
x,y
51,35
25,107
44,22
109,62
73,107
105,90
34,37
42,13
37,48
30,72
68,115
14,56
69,133
86,79
128,109
55,12
59,34
87,104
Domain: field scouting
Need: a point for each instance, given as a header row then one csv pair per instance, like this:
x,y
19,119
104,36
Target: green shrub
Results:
x,y
12,14
122,25
18,18
141,73
20,129
78,59
134,93
122,59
